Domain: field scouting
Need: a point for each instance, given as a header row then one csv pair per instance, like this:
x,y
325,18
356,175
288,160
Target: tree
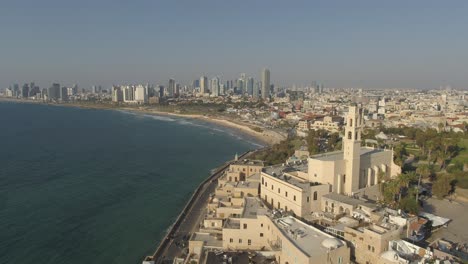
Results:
x,y
409,204
423,170
443,185
390,190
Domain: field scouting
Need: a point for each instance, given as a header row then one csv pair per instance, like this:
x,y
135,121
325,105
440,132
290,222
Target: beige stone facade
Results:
x,y
367,243
299,186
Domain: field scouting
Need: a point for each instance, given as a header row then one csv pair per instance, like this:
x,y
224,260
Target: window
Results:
x,y
368,247
261,225
340,260
351,122
266,197
266,184
261,234
279,205
272,186
286,208
249,242
308,199
286,194
240,240
263,180
294,198
344,178
350,135
315,174
315,196
279,190
231,240
212,224
245,226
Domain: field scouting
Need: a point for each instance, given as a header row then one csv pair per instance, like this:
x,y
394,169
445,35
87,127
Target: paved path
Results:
x,y
457,230
191,221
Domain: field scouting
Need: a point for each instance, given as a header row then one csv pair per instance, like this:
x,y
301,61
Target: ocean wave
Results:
x,y
160,118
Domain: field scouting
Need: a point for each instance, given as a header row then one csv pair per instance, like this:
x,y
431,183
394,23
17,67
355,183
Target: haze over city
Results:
x,y
363,44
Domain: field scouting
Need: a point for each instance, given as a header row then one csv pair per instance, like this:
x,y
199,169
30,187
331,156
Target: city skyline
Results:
x,y
364,44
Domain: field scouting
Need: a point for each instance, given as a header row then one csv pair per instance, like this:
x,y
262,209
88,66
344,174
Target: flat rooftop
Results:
x,y
350,200
210,241
249,162
308,239
247,185
338,155
281,172
253,207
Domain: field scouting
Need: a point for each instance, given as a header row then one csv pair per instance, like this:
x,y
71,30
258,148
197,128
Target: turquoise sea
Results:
x,y
98,186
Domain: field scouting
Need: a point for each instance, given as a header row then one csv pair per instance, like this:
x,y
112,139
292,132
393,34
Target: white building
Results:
x,y
215,87
299,186
141,94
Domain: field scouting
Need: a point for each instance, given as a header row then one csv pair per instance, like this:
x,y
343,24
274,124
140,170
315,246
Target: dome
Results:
x,y
331,243
391,256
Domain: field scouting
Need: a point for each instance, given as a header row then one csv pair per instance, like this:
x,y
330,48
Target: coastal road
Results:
x,y
191,222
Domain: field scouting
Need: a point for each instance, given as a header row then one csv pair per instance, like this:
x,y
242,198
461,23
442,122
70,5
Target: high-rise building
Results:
x,y
215,87
63,94
256,89
141,94
203,84
250,86
128,94
196,84
160,90
240,86
53,93
265,84
171,88
117,94
25,91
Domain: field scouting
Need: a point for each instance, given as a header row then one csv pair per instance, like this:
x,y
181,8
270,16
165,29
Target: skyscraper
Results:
x,y
203,84
53,93
265,84
215,87
256,89
171,88
250,86
240,86
25,91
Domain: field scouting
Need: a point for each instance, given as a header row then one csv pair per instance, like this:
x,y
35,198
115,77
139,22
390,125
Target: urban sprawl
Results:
x,y
349,175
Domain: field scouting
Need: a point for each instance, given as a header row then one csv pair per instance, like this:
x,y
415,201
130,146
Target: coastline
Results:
x,y
266,137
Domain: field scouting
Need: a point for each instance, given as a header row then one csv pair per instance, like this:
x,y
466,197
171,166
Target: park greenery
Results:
x,y
318,141
427,157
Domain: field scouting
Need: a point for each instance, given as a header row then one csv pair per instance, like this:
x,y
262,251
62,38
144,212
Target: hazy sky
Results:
x,y
370,44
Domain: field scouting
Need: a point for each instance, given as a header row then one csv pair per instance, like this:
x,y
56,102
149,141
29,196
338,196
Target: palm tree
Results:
x,y
423,170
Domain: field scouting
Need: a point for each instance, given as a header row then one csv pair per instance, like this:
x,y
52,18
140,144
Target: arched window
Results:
x,y
350,122
315,196
350,135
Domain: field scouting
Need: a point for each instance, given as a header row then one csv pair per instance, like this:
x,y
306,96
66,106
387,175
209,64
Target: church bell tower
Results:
x,y
352,149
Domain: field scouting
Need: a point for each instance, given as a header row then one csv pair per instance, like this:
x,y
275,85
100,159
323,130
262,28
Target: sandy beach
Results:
x,y
267,137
